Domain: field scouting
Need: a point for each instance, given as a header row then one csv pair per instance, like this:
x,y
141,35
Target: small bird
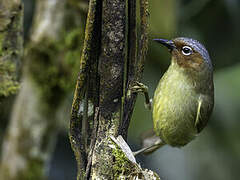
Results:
x,y
184,98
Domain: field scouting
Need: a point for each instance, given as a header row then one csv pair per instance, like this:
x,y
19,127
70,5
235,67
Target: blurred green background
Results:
x,y
215,154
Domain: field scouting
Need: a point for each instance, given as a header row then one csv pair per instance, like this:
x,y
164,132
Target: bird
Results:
x,y
184,98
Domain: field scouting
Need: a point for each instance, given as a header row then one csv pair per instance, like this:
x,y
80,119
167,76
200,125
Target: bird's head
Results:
x,y
188,53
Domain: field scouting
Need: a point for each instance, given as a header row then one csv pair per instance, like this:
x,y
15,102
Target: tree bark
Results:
x,y
11,45
109,66
48,76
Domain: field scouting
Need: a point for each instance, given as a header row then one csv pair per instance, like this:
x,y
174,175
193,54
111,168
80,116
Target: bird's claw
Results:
x,y
139,87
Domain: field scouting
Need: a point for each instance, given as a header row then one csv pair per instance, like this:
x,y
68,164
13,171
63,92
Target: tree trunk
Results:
x,y
109,65
11,45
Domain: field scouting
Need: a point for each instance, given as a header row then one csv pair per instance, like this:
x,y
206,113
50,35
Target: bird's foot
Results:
x,y
141,88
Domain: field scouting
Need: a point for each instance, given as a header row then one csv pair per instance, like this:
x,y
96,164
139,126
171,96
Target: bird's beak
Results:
x,y
168,43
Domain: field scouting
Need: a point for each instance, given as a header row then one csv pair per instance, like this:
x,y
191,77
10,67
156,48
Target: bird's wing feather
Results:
x,y
198,111
204,109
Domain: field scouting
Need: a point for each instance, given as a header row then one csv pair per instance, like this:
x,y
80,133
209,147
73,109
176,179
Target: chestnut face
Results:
x,y
186,56
188,53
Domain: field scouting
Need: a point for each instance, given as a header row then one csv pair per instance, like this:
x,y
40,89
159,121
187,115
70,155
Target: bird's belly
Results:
x,y
174,113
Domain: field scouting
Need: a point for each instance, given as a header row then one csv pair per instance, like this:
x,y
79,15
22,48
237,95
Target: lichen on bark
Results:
x,y
124,168
11,45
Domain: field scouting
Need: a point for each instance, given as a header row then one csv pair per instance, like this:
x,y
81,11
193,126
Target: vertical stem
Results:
x,y
136,60
143,42
111,71
130,68
87,81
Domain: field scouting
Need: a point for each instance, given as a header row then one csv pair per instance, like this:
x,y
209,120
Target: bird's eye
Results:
x,y
186,50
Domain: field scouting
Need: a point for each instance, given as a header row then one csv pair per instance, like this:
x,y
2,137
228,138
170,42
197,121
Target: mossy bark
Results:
x,y
111,71
51,63
86,96
110,64
11,45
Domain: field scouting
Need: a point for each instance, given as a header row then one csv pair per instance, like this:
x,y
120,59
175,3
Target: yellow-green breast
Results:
x,y
175,107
